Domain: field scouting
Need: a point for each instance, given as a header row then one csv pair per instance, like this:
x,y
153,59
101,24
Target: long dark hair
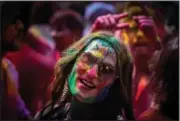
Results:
x,y
165,79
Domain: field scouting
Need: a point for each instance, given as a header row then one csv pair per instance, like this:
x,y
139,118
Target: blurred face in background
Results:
x,y
137,38
63,37
141,47
66,28
142,52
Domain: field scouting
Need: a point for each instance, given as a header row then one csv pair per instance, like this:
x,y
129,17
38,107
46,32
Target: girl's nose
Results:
x,y
93,72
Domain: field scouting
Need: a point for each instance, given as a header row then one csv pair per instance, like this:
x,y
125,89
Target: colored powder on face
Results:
x,y
72,81
97,54
100,49
103,94
72,85
99,45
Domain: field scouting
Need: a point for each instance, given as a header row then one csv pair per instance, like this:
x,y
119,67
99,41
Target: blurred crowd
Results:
x,y
36,35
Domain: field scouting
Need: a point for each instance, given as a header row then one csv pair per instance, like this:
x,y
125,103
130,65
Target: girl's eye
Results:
x,y
88,58
104,69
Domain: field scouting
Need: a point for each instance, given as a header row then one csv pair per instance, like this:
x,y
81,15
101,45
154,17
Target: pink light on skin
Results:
x,y
92,72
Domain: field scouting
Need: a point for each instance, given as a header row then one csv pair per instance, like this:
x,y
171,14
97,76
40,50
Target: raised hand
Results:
x,y
147,25
109,22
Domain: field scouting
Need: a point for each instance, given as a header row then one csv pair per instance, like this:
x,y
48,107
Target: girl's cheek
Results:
x,y
106,83
80,68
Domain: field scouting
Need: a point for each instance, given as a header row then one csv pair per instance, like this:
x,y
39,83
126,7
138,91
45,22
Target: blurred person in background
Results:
x,y
164,84
39,50
165,78
94,10
34,64
66,28
143,37
12,104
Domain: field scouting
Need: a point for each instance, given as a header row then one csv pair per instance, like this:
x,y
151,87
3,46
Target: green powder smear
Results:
x,y
72,81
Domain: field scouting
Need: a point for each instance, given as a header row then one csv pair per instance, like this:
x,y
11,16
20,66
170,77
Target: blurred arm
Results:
x,y
15,103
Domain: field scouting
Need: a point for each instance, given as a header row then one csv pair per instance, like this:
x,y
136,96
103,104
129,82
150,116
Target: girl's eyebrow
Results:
x,y
101,61
90,56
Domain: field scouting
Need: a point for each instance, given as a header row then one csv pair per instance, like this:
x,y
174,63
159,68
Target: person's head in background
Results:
x,y
42,11
14,25
141,46
67,27
95,10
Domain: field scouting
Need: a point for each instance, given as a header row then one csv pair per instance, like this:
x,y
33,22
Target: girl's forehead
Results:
x,y
99,45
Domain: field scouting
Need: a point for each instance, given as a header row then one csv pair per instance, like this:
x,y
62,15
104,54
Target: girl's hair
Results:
x,y
165,79
124,69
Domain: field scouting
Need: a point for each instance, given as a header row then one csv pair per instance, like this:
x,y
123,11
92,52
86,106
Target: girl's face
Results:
x,y
93,73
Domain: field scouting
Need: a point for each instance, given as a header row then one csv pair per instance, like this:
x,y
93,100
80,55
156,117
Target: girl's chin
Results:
x,y
84,94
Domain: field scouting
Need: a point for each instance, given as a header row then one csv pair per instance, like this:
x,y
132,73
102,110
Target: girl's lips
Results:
x,y
87,83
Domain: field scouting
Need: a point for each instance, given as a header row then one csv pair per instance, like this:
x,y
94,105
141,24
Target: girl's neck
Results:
x,y
80,111
84,111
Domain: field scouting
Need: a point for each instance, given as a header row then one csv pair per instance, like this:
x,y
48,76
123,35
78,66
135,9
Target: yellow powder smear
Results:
x,y
97,54
35,32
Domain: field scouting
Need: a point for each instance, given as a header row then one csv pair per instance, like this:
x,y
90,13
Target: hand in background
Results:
x,y
109,22
147,25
